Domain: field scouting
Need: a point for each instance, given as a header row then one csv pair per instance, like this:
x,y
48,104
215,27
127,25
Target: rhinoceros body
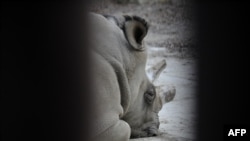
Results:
x,y
125,102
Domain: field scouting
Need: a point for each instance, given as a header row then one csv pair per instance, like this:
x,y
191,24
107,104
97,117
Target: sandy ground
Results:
x,y
170,37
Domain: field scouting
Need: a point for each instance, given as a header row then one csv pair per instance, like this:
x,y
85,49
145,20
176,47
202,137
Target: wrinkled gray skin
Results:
x,y
125,104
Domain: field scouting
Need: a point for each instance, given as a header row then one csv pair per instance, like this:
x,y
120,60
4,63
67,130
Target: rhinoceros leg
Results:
x,y
120,131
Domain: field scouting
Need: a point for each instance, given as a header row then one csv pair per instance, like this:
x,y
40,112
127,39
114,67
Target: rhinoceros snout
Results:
x,y
152,131
152,134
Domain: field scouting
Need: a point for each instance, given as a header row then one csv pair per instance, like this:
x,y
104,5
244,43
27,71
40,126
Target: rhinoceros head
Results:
x,y
142,115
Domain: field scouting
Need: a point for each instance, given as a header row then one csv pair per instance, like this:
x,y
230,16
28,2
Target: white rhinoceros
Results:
x,y
125,102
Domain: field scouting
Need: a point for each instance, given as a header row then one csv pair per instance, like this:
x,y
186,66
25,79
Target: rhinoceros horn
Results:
x,y
166,92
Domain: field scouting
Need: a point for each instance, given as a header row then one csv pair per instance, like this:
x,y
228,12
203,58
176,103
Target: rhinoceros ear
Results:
x,y
135,29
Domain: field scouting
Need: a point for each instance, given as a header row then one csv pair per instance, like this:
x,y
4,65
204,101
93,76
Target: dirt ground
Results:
x,y
171,36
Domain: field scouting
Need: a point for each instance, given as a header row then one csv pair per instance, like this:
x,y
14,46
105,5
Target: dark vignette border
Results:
x,y
45,90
